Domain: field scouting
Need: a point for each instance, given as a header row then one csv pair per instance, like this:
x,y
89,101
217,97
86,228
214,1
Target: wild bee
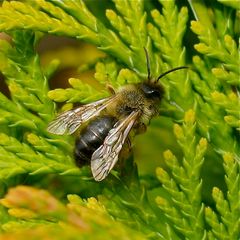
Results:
x,y
109,122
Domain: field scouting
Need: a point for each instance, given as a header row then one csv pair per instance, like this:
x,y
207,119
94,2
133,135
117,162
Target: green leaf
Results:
x,y
138,204
185,210
227,227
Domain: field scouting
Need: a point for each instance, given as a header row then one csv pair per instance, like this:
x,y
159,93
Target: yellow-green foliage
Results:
x,y
194,193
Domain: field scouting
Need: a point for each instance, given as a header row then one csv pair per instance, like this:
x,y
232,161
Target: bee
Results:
x,y
107,123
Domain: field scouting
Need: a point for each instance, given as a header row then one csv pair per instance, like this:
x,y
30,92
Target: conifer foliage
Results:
x,y
194,193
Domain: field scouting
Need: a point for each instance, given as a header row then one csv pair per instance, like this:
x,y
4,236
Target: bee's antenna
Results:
x,y
148,64
169,71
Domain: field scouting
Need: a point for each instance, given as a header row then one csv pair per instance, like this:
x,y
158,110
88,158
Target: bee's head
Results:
x,y
152,91
151,88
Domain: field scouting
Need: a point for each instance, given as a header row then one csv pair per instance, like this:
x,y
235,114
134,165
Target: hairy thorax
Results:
x,y
131,98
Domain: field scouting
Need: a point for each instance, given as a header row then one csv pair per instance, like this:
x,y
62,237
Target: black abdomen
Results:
x,y
92,138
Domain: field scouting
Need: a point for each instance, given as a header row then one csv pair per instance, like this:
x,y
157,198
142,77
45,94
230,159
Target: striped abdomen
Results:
x,y
92,138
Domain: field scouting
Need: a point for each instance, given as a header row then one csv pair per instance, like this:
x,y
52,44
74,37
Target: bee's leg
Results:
x,y
109,86
124,154
111,89
129,143
141,128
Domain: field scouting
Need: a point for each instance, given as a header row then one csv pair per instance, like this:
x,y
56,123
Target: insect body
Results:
x,y
109,122
92,137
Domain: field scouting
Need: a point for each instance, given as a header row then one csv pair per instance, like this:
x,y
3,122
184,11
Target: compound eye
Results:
x,y
154,94
150,92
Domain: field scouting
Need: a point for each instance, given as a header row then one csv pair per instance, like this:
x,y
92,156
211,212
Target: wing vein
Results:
x,y
68,122
106,156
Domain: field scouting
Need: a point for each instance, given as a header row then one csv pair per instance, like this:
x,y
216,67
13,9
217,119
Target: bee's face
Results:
x,y
152,91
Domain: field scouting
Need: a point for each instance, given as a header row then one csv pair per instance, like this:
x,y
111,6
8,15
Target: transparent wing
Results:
x,y
68,122
106,156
